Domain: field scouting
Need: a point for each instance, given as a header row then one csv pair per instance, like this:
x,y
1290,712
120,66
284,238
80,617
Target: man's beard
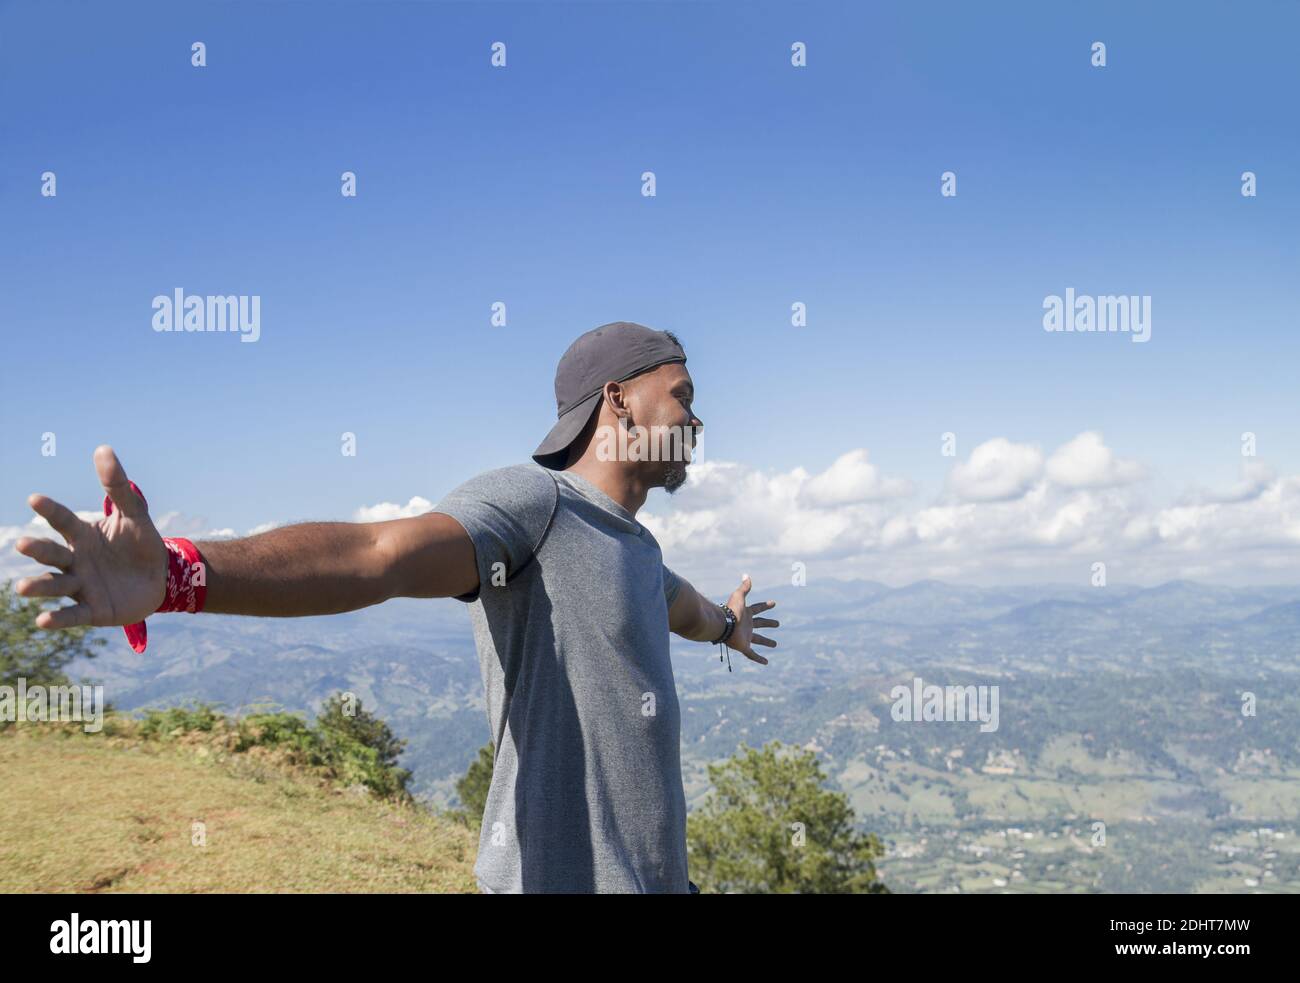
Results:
x,y
674,477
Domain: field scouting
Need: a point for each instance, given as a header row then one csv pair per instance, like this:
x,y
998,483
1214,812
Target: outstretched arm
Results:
x,y
115,568
330,567
694,616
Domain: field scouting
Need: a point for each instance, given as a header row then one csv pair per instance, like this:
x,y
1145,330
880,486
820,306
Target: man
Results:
x,y
569,597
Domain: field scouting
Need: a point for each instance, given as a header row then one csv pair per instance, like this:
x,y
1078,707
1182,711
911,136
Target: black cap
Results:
x,y
613,352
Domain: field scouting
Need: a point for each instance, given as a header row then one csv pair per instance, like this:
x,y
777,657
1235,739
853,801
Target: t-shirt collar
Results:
x,y
593,492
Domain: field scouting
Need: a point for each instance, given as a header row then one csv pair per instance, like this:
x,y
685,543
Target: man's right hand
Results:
x,y
115,568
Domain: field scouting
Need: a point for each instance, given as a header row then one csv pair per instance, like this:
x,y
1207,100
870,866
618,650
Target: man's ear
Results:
x,y
616,394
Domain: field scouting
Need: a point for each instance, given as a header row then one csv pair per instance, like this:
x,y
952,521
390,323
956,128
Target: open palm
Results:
x,y
743,638
115,569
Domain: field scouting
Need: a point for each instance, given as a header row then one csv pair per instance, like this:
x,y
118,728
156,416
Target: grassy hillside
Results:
x,y
115,811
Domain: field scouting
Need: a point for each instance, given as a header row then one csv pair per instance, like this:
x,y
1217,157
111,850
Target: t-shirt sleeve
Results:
x,y
672,585
505,512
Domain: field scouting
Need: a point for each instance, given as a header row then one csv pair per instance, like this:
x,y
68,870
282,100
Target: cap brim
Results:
x,y
554,450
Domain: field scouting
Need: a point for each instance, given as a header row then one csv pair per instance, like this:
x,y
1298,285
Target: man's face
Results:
x,y
662,398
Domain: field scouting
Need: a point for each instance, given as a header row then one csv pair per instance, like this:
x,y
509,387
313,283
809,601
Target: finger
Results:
x,y
59,516
754,656
766,623
45,551
745,585
69,617
761,606
113,477
49,585
757,639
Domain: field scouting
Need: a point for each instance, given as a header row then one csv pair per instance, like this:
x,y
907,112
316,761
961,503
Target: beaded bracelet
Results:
x,y
721,640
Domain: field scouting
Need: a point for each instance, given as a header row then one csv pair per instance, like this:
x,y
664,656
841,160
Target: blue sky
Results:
x,y
522,185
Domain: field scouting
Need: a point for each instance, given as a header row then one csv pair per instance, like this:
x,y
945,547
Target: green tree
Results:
x,y
473,787
338,716
37,655
361,747
770,827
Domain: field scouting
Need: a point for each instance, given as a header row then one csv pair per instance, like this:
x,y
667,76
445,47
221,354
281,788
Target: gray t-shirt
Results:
x,y
586,790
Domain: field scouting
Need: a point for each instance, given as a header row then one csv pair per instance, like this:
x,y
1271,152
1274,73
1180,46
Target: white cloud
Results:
x,y
1003,518
1256,478
388,510
180,525
997,470
176,524
852,478
1267,518
262,527
14,565
1002,515
1086,462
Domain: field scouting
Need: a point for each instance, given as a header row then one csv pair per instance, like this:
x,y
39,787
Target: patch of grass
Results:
x,y
122,812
